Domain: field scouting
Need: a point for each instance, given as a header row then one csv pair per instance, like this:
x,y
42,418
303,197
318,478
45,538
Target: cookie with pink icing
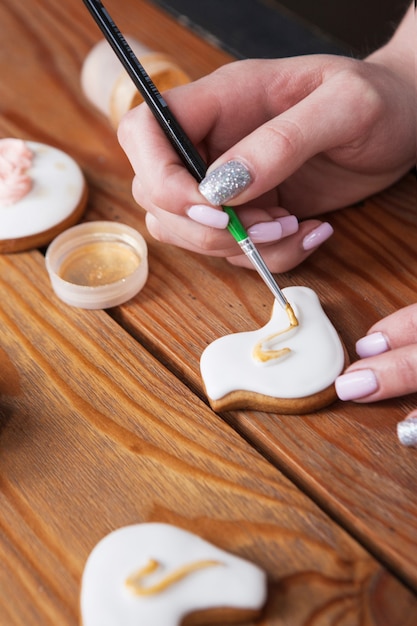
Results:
x,y
42,192
160,575
287,366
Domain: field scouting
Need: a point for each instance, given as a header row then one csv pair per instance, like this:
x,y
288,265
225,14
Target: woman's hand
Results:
x,y
388,364
313,134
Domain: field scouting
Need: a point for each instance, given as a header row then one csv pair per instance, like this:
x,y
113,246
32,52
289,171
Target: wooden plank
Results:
x,y
365,272
96,434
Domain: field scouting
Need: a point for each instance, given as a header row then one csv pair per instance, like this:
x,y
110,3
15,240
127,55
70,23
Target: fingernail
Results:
x,y
372,344
208,216
265,232
355,385
317,236
225,182
289,224
407,431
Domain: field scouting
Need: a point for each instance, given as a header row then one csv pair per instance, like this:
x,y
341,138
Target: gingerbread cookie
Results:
x,y
284,367
42,192
160,575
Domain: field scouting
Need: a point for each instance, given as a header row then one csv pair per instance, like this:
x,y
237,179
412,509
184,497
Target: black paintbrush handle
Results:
x,y
143,82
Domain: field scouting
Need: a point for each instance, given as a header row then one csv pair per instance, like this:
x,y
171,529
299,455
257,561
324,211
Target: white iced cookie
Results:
x,y
160,575
282,367
42,192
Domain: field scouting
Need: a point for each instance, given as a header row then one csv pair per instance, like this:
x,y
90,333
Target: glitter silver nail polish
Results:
x,y
407,431
225,182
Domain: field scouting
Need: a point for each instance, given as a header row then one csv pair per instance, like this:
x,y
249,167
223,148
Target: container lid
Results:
x,y
97,265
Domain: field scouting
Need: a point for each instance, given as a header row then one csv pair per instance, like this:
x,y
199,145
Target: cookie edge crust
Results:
x,y
240,399
221,615
43,238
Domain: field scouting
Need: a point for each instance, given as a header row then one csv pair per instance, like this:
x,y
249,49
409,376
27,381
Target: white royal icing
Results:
x,y
315,359
107,596
57,189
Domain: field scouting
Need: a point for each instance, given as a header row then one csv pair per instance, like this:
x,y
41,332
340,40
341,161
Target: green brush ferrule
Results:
x,y
235,226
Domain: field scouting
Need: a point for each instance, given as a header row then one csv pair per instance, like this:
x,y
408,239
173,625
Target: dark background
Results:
x,y
362,24
272,28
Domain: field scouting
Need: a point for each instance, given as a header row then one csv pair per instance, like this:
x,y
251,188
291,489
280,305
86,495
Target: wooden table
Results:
x,y
103,419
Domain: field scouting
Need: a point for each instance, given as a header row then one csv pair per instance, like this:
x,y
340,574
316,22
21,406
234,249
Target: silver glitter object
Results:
x,y
407,431
225,182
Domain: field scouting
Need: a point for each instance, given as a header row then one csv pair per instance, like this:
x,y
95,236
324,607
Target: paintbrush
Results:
x,y
178,138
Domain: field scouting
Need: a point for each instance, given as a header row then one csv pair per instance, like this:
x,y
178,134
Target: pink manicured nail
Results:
x,y
375,343
208,216
265,232
317,236
289,225
355,385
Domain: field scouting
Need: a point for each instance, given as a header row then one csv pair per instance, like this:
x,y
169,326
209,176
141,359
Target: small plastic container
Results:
x,y
97,265
109,88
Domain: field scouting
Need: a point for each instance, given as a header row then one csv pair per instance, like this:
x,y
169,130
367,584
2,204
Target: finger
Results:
x,y
161,178
280,257
179,231
388,375
289,252
396,330
265,224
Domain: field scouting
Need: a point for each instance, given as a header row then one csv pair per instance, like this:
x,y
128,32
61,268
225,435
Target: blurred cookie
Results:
x,y
160,575
42,192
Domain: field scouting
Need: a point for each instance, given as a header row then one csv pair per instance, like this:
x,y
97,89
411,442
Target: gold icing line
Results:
x,y
134,582
291,315
267,355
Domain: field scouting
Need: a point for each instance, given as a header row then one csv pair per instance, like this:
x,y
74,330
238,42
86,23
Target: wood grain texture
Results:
x,y
96,434
104,422
348,456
